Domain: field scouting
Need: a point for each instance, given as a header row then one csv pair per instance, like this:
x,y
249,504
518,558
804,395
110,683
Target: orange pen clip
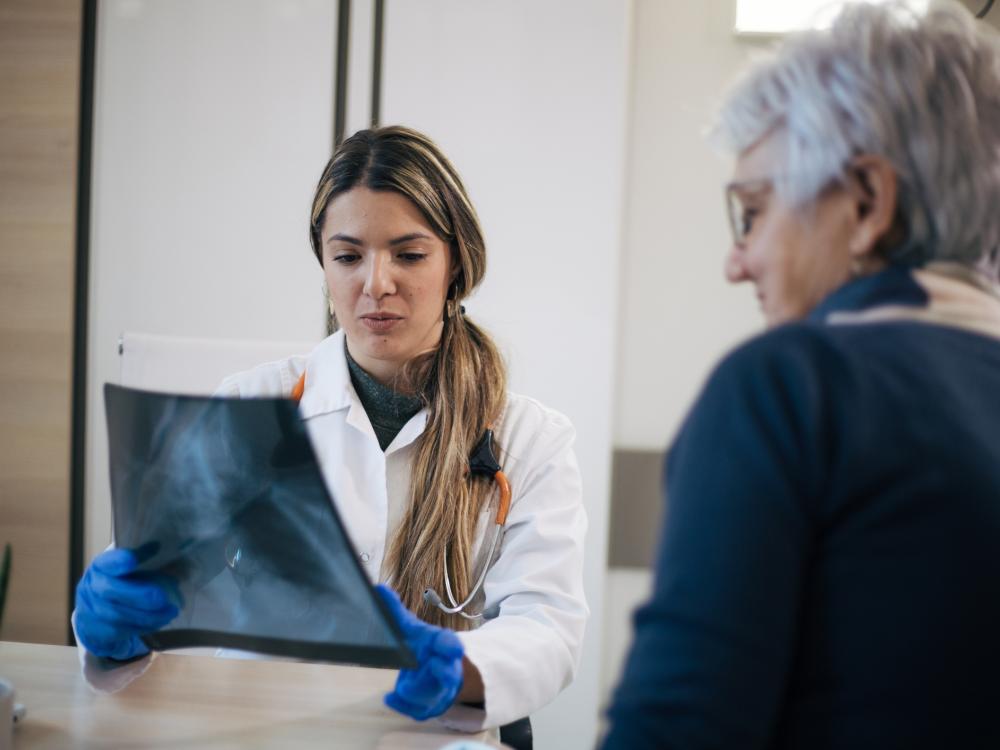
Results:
x,y
299,388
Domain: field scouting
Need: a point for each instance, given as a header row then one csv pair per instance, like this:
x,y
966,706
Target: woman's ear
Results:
x,y
874,184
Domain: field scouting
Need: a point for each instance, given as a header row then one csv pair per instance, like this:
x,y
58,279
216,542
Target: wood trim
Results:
x,y
39,79
637,507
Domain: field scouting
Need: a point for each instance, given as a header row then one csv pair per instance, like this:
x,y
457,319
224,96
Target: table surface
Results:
x,y
205,702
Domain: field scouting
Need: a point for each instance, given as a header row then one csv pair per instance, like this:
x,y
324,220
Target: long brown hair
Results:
x,y
463,381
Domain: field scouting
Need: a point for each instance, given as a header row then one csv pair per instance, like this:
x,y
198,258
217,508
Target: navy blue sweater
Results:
x,y
829,571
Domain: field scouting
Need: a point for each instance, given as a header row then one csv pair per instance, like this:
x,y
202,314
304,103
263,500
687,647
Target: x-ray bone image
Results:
x,y
225,498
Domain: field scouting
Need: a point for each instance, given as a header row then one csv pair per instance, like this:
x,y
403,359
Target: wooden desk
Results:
x,y
204,702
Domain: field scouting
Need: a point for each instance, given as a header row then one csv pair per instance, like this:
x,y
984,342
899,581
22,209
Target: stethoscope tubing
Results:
x,y
431,596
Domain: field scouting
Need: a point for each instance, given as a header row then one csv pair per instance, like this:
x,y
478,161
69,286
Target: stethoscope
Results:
x,y
484,463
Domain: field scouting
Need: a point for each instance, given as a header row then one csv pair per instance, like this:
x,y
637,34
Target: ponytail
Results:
x,y
465,390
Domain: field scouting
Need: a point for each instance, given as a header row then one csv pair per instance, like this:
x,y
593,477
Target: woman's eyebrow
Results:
x,y
409,237
345,238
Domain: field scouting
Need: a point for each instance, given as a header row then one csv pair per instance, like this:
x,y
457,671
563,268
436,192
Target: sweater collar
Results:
x,y
327,365
893,286
941,294
384,405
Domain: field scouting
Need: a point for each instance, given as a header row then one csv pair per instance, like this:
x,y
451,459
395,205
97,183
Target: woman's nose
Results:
x,y
736,267
379,282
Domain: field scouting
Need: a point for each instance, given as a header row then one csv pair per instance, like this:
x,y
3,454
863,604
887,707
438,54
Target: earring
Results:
x,y
452,308
331,317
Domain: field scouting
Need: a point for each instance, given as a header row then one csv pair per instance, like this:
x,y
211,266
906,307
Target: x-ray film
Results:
x,y
225,497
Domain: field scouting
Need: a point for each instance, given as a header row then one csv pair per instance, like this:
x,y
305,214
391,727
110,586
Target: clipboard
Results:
x,y
224,499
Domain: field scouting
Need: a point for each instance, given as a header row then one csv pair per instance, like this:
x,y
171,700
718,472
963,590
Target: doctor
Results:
x,y
397,402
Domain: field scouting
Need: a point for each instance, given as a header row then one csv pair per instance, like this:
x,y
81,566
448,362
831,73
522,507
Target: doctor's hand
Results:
x,y
431,688
114,606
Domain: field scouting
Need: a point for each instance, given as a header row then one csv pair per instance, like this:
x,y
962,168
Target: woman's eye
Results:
x,y
749,214
345,258
412,257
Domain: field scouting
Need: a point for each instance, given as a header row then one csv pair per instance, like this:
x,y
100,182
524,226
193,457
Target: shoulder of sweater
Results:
x,y
795,348
800,370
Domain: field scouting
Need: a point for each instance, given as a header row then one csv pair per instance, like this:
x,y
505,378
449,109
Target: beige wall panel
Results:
x,y
39,79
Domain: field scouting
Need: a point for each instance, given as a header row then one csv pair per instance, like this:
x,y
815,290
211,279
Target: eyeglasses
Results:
x,y
741,216
757,191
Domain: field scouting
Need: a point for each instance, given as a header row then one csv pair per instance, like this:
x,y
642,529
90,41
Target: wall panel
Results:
x,y
39,77
529,101
212,124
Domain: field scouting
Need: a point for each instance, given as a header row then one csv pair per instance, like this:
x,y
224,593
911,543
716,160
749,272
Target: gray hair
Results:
x,y
921,90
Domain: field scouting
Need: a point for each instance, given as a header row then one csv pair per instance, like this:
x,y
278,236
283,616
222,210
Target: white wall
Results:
x,y
213,121
528,99
678,315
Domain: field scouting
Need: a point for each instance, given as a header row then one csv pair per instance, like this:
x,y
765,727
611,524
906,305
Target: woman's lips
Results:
x,y
380,323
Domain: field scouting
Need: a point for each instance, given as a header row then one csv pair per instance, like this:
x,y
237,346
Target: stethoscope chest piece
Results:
x,y
483,461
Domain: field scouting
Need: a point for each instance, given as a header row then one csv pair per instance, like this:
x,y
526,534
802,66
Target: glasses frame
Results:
x,y
734,206
850,178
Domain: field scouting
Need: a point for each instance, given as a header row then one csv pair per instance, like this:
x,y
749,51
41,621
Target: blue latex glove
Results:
x,y
114,606
431,688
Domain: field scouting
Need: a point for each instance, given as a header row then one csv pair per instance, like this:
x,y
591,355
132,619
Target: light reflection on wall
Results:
x,y
781,16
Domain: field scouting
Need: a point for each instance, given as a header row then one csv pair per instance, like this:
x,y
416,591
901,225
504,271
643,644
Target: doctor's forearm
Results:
x,y
472,684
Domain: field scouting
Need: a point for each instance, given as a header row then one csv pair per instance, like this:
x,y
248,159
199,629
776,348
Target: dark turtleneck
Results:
x,y
387,410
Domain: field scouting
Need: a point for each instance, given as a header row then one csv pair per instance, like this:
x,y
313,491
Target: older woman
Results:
x,y
829,574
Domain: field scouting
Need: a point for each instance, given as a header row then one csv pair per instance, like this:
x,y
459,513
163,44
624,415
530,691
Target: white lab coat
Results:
x,y
528,648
